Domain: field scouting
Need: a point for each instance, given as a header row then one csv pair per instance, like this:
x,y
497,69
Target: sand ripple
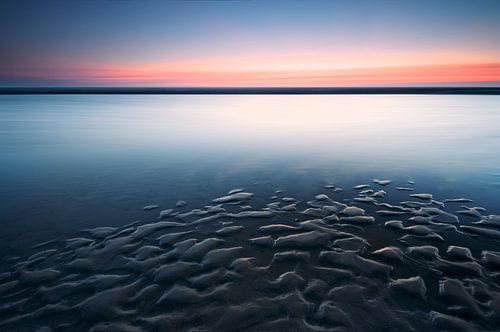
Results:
x,y
367,263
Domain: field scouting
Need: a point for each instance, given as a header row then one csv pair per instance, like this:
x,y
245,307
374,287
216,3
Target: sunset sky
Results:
x,y
250,43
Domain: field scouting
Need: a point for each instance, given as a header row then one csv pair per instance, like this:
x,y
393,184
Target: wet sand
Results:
x,y
346,259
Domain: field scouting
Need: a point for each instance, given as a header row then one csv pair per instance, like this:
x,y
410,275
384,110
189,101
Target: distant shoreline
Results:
x,y
251,91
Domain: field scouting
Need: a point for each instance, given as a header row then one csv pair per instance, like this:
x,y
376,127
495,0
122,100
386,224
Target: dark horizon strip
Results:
x,y
250,90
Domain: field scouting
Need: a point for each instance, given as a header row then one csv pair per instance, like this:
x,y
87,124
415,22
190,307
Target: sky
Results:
x,y
249,43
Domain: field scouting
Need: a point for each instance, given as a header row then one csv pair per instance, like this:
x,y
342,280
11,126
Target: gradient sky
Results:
x,y
249,43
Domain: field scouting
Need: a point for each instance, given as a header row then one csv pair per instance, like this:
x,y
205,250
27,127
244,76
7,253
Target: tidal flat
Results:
x,y
258,213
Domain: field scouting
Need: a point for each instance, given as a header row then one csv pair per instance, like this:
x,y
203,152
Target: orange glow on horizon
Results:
x,y
288,74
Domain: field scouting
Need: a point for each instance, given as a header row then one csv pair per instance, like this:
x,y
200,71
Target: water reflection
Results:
x,y
458,131
71,161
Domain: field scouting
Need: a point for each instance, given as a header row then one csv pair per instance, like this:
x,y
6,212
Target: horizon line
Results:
x,y
248,90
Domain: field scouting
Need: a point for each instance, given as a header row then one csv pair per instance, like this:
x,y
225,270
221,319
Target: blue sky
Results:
x,y
71,42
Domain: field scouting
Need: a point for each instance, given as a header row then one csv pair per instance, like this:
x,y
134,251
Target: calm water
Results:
x,y
299,249
73,162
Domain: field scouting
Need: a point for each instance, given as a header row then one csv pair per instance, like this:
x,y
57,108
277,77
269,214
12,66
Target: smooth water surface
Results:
x,y
249,213
70,162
